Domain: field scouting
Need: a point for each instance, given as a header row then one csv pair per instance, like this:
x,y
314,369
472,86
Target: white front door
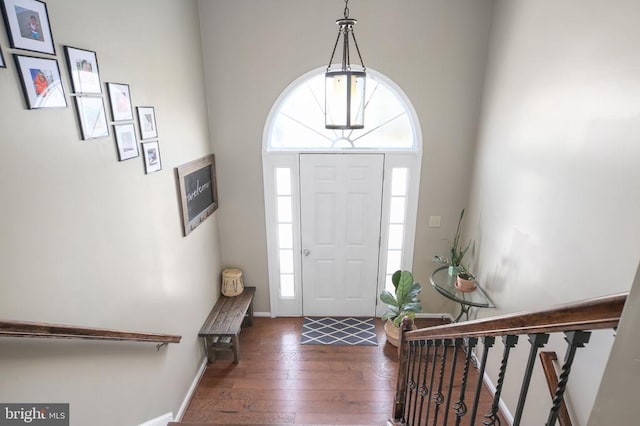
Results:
x,y
341,199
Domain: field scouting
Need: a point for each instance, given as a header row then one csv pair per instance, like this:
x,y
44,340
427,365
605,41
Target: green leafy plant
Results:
x,y
405,302
456,252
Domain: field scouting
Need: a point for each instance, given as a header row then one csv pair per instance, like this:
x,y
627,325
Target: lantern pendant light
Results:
x,y
345,82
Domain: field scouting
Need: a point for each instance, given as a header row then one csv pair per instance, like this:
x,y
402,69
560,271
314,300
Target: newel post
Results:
x,y
403,366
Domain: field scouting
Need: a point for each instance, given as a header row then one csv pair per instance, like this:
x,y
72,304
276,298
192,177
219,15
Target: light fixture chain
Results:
x,y
345,87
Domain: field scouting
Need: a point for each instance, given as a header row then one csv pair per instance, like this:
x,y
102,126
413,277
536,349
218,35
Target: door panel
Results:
x,y
341,196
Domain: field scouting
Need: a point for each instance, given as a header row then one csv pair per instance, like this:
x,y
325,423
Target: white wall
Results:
x,y
555,201
434,50
617,400
90,241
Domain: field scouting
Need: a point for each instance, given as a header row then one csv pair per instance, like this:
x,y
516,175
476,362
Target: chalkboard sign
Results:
x,y
198,191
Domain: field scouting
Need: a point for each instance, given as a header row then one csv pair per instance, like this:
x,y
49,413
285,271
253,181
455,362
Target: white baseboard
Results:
x,y
418,315
163,420
437,316
192,388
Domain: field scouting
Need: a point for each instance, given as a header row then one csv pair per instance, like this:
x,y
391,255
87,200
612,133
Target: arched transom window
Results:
x,y
298,122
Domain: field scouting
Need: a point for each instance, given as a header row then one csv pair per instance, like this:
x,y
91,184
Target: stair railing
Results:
x,y
62,331
425,394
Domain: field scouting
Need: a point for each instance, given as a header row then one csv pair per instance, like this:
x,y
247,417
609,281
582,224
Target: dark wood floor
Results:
x,y
279,381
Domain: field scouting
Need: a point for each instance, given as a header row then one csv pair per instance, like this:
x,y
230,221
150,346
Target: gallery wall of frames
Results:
x,y
29,29
37,67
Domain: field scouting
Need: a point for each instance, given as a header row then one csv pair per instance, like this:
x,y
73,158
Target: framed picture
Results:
x,y
147,121
41,82
2,63
83,69
27,23
92,118
151,153
126,141
198,190
120,99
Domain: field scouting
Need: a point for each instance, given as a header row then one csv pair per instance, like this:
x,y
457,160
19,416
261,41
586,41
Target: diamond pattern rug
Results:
x,y
338,331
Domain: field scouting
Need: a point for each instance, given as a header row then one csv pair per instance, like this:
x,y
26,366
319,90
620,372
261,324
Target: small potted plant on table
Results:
x,y
465,282
404,303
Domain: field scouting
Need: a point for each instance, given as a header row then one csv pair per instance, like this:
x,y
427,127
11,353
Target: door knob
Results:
x,y
306,252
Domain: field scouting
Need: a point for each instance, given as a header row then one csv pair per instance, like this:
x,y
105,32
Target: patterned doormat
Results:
x,y
339,331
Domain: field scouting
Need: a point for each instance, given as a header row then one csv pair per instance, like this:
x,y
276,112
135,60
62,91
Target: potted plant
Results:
x,y
465,282
404,303
456,252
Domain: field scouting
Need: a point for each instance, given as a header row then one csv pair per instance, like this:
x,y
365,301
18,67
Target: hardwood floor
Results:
x,y
279,381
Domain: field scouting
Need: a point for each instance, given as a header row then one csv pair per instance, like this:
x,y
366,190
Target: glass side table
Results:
x,y
444,284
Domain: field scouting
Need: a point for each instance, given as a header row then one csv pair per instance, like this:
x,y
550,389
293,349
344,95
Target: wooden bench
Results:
x,y
221,329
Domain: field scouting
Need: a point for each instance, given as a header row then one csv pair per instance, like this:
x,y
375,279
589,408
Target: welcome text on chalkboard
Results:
x,y
198,191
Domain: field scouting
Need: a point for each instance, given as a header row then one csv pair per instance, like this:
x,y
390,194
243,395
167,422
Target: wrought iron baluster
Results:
x,y
575,340
438,398
399,403
436,343
411,383
460,407
418,385
551,377
405,395
455,344
487,342
492,416
424,390
537,341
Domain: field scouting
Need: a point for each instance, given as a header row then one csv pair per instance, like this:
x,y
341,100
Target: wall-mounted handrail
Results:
x,y
62,331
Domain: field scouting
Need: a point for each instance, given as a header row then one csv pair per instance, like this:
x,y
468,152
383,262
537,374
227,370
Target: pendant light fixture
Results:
x,y
344,82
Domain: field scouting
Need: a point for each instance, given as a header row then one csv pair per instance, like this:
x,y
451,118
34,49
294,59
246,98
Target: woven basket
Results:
x,y
232,282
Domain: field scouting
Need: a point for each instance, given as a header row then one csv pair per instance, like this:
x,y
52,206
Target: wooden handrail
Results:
x,y
61,331
591,314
